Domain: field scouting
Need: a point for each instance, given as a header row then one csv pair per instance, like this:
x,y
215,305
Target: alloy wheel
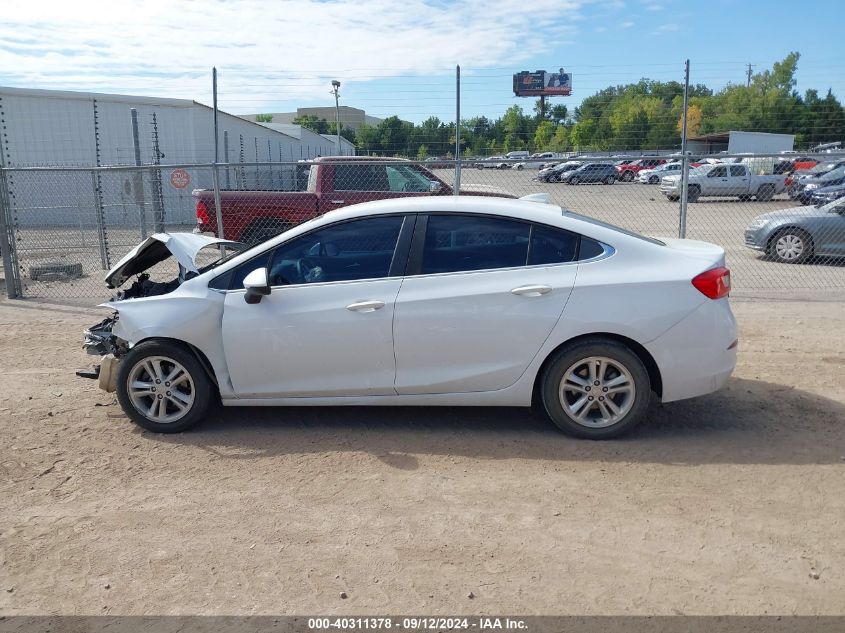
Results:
x,y
161,389
597,392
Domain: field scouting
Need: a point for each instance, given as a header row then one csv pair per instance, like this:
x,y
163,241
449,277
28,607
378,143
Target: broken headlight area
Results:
x,y
100,341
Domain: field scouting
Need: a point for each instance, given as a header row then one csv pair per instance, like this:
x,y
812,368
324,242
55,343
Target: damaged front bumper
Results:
x,y
100,341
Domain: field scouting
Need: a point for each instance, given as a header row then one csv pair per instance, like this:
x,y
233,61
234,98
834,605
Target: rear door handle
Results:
x,y
338,201
365,306
531,291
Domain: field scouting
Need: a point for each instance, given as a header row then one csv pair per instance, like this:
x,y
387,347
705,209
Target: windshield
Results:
x,y
833,175
821,168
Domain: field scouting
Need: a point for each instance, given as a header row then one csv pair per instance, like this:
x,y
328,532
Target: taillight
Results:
x,y
714,283
202,212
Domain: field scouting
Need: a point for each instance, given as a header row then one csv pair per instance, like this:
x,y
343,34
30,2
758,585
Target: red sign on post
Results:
x,y
179,178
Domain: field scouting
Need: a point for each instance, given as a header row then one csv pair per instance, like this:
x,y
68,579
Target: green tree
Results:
x,y
313,123
264,118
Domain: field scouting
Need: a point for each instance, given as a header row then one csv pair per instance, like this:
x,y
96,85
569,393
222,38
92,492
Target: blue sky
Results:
x,y
399,58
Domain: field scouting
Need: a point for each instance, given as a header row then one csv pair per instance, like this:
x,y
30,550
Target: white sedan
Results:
x,y
425,301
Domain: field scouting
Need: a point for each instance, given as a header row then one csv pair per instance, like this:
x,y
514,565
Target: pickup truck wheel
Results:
x,y
627,176
262,230
162,387
766,193
693,192
790,246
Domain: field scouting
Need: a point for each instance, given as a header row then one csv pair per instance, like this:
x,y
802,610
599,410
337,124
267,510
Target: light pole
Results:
x,y
336,87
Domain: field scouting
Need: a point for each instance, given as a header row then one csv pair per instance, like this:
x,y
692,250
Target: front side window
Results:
x,y
719,172
404,178
361,249
463,243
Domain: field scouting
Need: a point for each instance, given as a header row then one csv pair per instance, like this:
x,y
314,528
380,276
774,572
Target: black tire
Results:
x,y
261,230
554,178
765,193
791,235
627,176
673,198
568,358
574,180
198,387
693,192
653,180
609,180
745,197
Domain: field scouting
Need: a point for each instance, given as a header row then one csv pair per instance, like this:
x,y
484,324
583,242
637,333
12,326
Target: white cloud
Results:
x,y
626,25
653,7
266,51
600,29
666,28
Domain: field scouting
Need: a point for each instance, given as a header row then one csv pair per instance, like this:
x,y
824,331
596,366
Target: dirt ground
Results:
x,y
728,504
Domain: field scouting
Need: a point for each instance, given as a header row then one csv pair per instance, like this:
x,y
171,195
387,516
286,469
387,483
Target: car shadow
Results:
x,y
748,422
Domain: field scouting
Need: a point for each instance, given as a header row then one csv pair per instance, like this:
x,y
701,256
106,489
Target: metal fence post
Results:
x,y
157,189
138,177
457,130
682,219
7,243
218,209
102,239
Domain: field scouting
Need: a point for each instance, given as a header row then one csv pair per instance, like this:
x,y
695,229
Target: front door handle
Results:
x,y
338,201
531,291
365,306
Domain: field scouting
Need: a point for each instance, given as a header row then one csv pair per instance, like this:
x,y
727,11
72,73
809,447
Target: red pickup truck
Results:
x,y
333,182
629,171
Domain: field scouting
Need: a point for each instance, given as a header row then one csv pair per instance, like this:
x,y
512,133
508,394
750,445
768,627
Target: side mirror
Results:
x,y
256,285
434,186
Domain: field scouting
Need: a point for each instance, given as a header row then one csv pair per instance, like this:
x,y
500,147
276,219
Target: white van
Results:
x,y
517,155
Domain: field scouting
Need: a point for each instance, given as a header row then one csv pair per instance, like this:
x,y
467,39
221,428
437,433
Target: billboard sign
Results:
x,y
540,83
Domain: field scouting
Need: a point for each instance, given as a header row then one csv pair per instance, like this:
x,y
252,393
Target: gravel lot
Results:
x,y
728,504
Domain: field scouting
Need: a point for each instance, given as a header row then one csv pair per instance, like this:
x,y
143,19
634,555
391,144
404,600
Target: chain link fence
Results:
x,y
782,228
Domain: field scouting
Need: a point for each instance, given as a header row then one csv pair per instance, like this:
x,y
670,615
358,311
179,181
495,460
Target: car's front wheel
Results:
x,y
791,246
596,389
162,387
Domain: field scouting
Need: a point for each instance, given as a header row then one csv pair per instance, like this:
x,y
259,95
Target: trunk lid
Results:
x,y
711,253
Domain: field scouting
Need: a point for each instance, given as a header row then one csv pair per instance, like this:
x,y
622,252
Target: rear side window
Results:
x,y
551,246
462,243
360,177
737,170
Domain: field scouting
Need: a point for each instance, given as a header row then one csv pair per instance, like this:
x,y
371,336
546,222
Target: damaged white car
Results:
x,y
424,301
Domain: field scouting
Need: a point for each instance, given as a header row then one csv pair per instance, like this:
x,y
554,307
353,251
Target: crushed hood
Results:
x,y
159,247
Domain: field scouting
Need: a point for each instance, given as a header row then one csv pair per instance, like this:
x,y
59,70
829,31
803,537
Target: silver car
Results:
x,y
799,234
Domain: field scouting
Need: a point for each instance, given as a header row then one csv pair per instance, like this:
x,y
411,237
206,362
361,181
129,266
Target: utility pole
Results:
x,y
682,220
457,191
335,88
748,76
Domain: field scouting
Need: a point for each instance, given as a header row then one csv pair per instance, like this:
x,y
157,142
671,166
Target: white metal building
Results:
x,y
736,142
77,129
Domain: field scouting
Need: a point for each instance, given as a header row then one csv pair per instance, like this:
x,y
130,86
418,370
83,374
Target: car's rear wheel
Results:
x,y
693,193
609,180
766,193
791,246
261,230
596,389
627,176
574,180
162,387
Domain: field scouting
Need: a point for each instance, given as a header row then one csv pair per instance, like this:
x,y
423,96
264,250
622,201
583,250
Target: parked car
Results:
x,y
806,185
819,170
628,171
723,180
554,174
798,235
590,172
332,182
369,305
535,161
493,162
433,162
653,176
824,195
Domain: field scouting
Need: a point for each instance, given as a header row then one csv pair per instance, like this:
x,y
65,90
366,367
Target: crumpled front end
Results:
x,y
100,340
